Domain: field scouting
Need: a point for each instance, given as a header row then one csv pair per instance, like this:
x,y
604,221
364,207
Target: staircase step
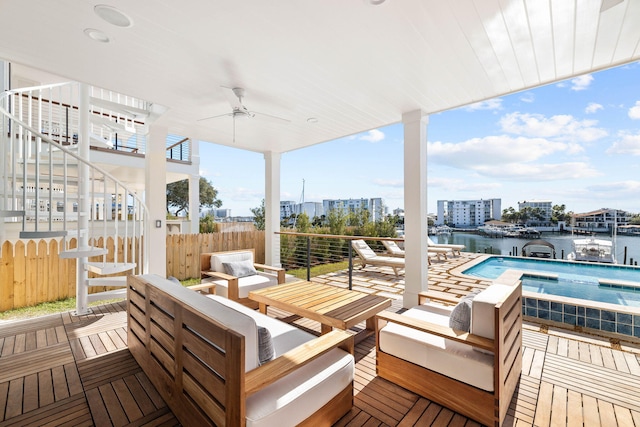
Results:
x,y
104,268
11,214
42,234
118,281
88,251
115,294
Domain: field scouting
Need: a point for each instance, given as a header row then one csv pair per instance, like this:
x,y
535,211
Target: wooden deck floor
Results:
x,y
65,370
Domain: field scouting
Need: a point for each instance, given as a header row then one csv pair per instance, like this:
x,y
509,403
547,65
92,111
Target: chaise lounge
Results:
x,y
467,358
217,362
455,249
395,250
368,256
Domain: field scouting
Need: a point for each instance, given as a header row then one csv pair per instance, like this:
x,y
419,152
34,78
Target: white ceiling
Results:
x,y
352,65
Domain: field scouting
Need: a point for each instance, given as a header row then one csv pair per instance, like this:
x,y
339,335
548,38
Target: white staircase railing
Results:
x,y
48,183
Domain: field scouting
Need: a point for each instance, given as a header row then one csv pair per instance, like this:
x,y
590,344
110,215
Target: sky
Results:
x,y
576,143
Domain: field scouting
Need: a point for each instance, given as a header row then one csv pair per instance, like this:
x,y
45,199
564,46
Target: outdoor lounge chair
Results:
x,y
455,249
473,370
395,250
368,256
233,274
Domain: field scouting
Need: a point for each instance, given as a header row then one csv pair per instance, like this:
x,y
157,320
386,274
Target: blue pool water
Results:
x,y
575,280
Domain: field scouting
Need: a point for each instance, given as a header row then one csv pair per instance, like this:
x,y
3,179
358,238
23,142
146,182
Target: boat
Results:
x,y
592,250
442,229
539,249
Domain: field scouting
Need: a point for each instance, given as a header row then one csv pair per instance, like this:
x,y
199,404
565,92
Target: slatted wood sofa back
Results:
x,y
196,364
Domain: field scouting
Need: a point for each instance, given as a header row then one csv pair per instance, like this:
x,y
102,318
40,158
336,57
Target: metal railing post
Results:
x,y
308,258
350,266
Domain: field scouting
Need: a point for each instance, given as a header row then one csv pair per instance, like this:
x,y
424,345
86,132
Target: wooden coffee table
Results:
x,y
332,306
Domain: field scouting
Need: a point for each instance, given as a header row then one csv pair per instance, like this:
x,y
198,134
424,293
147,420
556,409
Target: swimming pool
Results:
x,y
594,282
604,299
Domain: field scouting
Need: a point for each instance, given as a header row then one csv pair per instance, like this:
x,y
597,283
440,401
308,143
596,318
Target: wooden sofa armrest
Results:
x,y
439,330
438,296
218,275
280,367
202,287
278,270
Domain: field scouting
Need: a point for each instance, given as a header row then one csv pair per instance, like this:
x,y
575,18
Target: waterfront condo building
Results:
x,y
468,213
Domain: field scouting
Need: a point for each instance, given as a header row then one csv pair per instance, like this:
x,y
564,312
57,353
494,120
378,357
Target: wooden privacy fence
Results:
x,y
183,250
32,272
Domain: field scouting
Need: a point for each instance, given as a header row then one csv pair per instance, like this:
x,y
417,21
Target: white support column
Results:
x,y
84,203
415,205
272,208
194,188
156,198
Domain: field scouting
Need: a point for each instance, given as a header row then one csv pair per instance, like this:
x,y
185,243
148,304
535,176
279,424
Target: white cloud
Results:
x,y
634,112
490,104
619,187
374,135
581,82
454,185
540,172
593,107
492,150
528,97
627,144
561,127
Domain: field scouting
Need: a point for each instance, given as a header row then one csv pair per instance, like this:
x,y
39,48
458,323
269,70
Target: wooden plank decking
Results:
x,y
65,370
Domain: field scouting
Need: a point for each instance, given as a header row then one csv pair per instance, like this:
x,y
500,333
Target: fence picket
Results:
x,y
7,266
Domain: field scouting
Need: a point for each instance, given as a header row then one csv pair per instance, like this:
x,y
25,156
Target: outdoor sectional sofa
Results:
x,y
473,373
217,362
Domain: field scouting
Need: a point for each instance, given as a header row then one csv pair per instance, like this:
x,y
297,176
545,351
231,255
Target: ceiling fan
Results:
x,y
240,111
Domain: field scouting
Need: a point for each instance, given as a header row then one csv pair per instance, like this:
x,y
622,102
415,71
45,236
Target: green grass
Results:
x,y
60,306
319,270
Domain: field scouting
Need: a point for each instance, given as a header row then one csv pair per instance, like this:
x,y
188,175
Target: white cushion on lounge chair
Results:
x,y
246,284
450,358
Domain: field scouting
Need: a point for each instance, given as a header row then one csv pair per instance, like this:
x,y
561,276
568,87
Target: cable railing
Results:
x,y
307,255
178,148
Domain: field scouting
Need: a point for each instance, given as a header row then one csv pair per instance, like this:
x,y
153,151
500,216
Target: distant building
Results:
x,y
373,205
312,209
545,207
468,213
600,221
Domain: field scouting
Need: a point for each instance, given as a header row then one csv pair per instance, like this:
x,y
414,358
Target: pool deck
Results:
x,y
65,370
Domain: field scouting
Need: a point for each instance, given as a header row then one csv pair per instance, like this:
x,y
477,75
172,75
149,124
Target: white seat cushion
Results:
x,y
218,259
450,358
483,309
284,336
292,399
246,284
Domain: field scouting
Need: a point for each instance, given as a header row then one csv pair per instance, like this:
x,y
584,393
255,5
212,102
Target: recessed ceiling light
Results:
x,y
113,15
96,35
312,120
375,2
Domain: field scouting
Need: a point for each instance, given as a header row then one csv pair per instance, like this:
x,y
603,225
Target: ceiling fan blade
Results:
x,y
215,117
271,117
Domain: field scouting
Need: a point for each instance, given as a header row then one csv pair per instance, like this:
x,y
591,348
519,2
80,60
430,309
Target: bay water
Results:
x,y
562,243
